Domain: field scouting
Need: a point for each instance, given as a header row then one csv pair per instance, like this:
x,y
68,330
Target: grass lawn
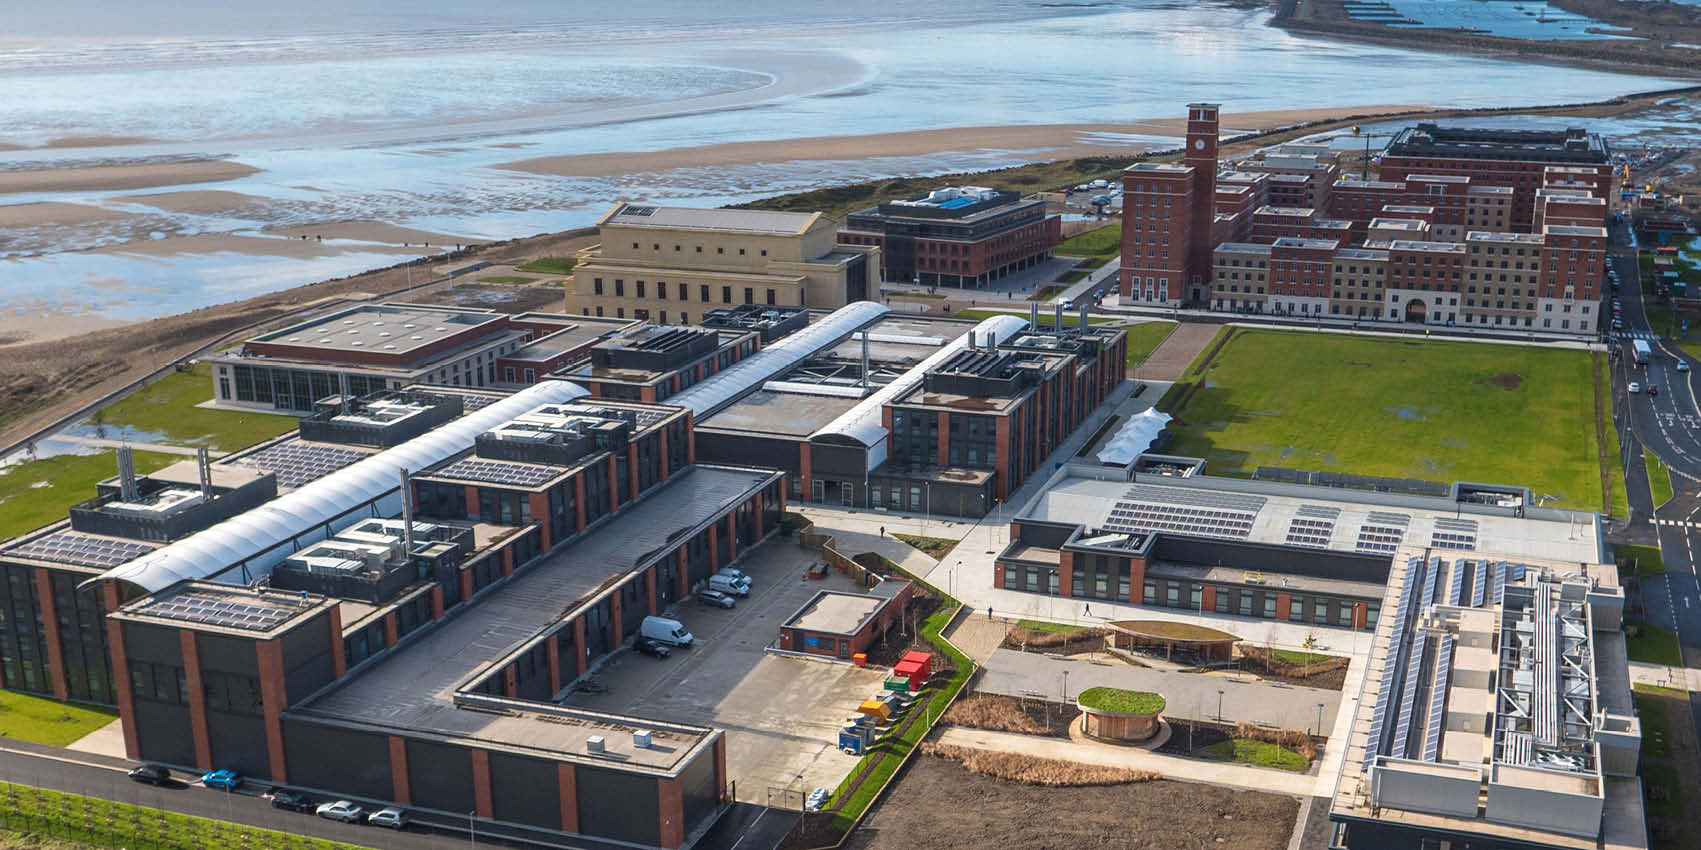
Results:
x,y
1659,690
37,492
549,265
1049,292
1659,478
167,408
508,278
933,547
1652,644
1044,627
1248,751
47,721
1144,338
1610,452
51,820
1419,408
1121,701
1648,560
1103,242
1301,657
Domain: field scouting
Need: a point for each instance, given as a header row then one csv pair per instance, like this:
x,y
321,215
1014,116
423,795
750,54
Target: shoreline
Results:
x,y
41,381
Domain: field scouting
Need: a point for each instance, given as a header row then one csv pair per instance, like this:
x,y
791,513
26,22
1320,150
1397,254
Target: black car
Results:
x,y
295,801
655,648
152,774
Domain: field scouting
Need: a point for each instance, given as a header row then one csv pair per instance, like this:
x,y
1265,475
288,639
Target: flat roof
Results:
x,y
1398,224
1361,254
1356,520
1574,230
762,222
394,329
582,331
1243,248
1498,236
1434,247
766,412
226,609
837,612
899,340
413,687
1300,242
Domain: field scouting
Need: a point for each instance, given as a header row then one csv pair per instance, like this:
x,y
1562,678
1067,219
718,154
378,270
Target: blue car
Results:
x,y
227,780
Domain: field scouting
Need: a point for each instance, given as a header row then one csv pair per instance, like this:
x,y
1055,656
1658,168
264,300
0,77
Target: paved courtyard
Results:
x,y
781,714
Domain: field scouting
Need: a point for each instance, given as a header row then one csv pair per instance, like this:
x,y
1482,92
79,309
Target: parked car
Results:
x,y
817,799
652,648
226,780
715,597
342,810
736,574
295,801
1634,387
389,816
151,774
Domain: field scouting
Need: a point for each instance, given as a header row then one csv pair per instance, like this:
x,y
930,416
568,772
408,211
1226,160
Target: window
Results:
x,y
726,295
1151,593
1296,609
1270,605
619,288
1223,595
596,286
770,297
704,291
749,298
641,289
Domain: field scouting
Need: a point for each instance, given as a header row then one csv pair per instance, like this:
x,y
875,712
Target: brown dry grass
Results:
x,y
1033,770
1042,640
998,713
1290,739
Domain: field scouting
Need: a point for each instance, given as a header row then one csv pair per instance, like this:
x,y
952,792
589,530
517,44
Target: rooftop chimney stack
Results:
x,y
127,475
407,511
971,339
865,359
1033,316
992,342
1057,316
1084,305
204,465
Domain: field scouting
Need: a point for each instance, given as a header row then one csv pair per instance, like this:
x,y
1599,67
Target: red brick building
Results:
x,y
1168,212
956,236
1516,158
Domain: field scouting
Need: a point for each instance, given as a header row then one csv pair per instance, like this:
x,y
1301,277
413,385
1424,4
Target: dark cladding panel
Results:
x,y
440,776
163,732
239,743
307,659
1257,557
838,461
354,763
525,790
697,783
153,644
1043,534
227,654
740,449
622,806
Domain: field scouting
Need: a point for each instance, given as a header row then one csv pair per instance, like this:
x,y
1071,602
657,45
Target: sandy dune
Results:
x,y
1053,141
95,178
42,214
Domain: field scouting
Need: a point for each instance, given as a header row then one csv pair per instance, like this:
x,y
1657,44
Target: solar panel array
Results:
x,y
1415,568
1203,498
295,462
70,547
474,401
1451,540
1379,538
1389,518
1145,507
499,472
1456,582
1438,699
219,611
1479,585
1318,512
1452,524
1408,696
1310,532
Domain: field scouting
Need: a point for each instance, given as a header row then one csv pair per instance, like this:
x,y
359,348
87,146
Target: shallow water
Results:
x,y
360,115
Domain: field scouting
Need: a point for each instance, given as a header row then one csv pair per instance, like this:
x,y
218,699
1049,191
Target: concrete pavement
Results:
x,y
1190,696
1172,767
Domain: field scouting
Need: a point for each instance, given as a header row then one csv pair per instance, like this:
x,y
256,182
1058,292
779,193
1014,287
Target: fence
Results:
x,y
95,821
1348,480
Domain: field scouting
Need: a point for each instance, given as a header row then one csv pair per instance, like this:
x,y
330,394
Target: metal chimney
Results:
x,y
1057,318
992,342
342,392
971,338
1084,305
204,465
407,511
127,475
1033,316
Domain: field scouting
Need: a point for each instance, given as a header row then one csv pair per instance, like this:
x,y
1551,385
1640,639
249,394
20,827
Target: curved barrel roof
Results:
x,y
729,384
273,530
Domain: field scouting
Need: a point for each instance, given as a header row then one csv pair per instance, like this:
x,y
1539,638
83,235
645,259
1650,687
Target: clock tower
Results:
x,y
1202,157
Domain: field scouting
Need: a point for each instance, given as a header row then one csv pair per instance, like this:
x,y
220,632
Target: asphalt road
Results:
x,y
1670,425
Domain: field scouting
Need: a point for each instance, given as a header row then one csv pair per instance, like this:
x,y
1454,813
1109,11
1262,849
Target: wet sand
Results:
x,y
274,246
15,216
371,231
1030,142
102,178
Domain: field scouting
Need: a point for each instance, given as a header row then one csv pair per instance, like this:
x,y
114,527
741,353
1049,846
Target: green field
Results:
x,y
27,717
1418,408
51,820
933,547
1651,644
1103,242
513,279
38,492
1144,338
1248,751
1043,627
1659,478
1301,657
549,265
1611,451
167,408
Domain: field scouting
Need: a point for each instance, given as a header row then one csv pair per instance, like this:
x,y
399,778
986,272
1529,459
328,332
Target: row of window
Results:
x,y
656,246
703,291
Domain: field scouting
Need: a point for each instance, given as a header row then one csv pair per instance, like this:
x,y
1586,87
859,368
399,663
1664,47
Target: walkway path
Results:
x,y
1172,767
101,442
1682,678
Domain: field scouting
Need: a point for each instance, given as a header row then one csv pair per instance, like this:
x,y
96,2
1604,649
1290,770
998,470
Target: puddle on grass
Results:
x,y
1407,412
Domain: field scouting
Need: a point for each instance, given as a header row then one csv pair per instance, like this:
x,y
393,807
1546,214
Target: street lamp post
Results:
x,y
1320,719
1219,705
472,829
1066,686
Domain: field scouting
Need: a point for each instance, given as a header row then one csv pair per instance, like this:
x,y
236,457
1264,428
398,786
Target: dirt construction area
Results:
x,y
1176,352
939,805
781,714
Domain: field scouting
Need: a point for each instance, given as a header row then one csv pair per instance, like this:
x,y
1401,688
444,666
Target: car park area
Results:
x,y
781,712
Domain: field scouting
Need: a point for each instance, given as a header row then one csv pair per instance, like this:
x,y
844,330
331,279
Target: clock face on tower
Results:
x,y
1199,144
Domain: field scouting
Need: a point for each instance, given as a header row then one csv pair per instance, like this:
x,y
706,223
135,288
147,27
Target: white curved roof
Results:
x,y
863,422
303,513
729,384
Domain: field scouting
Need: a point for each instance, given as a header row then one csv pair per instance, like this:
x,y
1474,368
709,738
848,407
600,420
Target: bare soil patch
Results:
x,y
1034,770
940,805
1504,380
1007,714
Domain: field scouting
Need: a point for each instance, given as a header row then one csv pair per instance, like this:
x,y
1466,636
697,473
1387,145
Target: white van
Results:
x,y
736,574
665,630
728,584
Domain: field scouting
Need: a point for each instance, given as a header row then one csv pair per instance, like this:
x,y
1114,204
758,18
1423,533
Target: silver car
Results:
x,y
389,816
342,810
715,597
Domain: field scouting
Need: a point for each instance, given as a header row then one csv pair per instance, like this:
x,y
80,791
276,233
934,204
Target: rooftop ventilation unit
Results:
x,y
641,739
594,744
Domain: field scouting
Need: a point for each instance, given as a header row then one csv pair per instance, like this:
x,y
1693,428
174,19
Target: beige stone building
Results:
x,y
671,264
